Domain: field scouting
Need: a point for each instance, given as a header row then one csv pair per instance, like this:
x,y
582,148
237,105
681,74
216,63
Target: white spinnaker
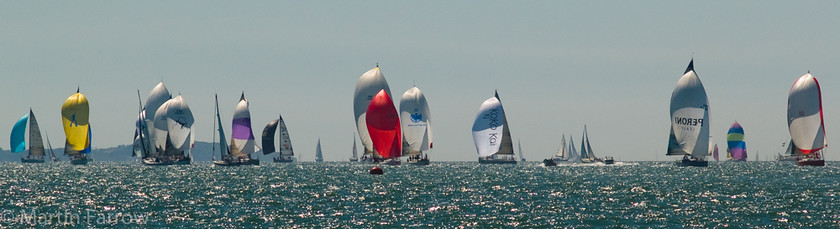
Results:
x,y
368,85
157,97
805,118
690,117
244,146
179,121
487,129
161,128
416,121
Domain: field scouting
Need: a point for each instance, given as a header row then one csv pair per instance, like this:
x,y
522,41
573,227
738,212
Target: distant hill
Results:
x,y
201,152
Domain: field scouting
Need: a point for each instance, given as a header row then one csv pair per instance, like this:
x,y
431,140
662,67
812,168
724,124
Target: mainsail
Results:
x,y
223,147
507,142
573,154
589,152
689,117
488,126
285,140
319,156
383,125
562,153
370,83
736,147
242,139
416,122
805,115
74,117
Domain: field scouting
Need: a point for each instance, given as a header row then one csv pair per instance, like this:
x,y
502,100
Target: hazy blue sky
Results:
x,y
557,65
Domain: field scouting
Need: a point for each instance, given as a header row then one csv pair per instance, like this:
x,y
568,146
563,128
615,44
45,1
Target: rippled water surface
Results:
x,y
445,194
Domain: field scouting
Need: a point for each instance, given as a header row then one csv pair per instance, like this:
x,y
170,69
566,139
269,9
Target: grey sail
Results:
x,y
588,147
285,140
36,144
319,156
506,147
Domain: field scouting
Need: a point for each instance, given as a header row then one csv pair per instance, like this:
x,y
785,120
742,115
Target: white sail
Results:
x,y
573,154
689,117
319,156
36,144
368,85
561,153
285,140
416,122
179,122
159,134
242,137
488,126
805,115
157,97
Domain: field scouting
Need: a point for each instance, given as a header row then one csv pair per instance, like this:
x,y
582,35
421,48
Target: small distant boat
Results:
x,y
319,156
561,156
416,126
36,144
736,148
286,153
491,133
690,122
519,148
715,153
369,84
354,157
790,153
242,143
805,121
383,125
53,158
74,117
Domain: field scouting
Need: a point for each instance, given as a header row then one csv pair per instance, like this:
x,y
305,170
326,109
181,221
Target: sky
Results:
x,y
558,65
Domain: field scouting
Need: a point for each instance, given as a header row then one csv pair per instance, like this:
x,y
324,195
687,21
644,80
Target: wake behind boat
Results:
x,y
690,122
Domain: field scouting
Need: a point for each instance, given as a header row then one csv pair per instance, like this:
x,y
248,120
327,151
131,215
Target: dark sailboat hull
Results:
x,y
32,160
694,162
482,160
810,162
237,163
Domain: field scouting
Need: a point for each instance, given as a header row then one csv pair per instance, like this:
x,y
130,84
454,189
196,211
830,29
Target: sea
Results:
x,y
440,195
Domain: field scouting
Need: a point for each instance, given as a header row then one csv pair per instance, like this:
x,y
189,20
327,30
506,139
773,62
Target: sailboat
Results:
x,y
53,158
690,121
561,156
519,148
715,153
370,83
416,126
354,157
574,156
242,143
491,134
790,152
319,156
146,133
736,148
74,117
586,153
805,121
286,154
36,144
383,125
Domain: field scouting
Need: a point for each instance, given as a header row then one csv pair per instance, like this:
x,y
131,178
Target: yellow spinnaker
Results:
x,y
74,116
